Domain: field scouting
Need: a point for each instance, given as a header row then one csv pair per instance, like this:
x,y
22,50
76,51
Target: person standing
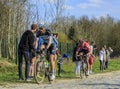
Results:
x,y
33,59
25,47
101,58
108,52
91,58
76,59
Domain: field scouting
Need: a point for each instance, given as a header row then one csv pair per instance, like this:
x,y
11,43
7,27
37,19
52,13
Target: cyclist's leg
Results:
x,y
52,50
31,74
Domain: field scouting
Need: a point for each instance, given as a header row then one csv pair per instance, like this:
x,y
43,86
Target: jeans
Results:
x,y
101,65
59,68
26,55
106,64
77,67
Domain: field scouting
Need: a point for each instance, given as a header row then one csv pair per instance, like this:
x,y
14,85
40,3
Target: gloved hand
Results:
x,y
45,50
33,54
37,51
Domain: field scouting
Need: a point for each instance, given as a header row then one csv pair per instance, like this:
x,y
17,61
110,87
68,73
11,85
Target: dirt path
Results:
x,y
97,81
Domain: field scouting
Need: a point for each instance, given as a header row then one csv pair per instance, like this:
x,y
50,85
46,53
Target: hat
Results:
x,y
65,55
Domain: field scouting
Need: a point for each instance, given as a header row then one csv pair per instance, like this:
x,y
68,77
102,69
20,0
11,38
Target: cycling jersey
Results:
x,y
47,39
44,40
83,48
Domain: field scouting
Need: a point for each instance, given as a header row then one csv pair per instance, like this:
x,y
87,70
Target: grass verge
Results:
x,y
9,71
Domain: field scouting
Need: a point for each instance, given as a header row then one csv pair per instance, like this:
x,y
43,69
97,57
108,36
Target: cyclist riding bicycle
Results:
x,y
46,41
83,48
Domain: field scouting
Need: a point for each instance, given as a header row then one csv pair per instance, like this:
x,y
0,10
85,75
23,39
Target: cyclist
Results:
x,y
49,44
83,48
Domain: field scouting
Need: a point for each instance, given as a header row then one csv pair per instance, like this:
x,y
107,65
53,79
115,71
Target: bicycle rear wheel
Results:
x,y
39,71
81,70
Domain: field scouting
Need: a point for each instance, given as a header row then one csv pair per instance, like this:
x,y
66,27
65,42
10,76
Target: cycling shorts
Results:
x,y
52,49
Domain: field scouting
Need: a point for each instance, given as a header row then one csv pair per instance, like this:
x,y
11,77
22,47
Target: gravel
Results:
x,y
109,80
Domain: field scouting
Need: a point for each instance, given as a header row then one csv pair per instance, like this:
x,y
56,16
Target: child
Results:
x,y
60,61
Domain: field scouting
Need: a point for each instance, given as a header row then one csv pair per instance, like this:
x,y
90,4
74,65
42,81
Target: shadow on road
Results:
x,y
107,84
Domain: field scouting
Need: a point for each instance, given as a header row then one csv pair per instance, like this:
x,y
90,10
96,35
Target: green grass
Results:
x,y
9,71
68,67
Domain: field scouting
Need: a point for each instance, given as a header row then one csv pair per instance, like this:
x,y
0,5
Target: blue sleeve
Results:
x,y
39,43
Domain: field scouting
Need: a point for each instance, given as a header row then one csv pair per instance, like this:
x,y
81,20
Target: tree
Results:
x,y
71,33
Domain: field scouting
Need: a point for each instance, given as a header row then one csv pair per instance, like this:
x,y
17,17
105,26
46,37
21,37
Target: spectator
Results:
x,y
101,57
104,57
26,47
55,37
32,60
108,52
60,62
76,60
91,58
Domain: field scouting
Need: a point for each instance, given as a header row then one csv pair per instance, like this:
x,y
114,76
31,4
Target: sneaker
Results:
x,y
59,75
87,73
31,77
21,79
52,77
91,72
28,79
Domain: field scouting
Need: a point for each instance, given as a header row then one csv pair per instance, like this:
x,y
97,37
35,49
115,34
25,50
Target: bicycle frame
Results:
x,y
42,65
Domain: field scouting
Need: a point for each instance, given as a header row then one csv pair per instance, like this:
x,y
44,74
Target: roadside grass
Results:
x,y
68,68
9,70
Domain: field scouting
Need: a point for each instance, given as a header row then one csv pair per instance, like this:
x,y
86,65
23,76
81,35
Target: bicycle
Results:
x,y
42,68
83,68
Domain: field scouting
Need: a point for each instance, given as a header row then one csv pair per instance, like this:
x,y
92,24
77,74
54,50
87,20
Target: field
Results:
x,y
9,71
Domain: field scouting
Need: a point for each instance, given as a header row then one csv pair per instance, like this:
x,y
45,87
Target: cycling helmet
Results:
x,y
42,26
81,41
48,32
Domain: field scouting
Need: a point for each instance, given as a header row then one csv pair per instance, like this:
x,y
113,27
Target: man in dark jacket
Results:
x,y
26,47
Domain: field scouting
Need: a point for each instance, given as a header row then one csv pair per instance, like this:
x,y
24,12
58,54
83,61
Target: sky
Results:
x,y
91,8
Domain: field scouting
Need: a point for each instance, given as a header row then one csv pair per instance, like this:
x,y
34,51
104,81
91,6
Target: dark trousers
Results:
x,y
106,64
26,55
59,68
101,65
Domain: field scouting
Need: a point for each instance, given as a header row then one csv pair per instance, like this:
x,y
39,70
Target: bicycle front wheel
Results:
x,y
39,71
